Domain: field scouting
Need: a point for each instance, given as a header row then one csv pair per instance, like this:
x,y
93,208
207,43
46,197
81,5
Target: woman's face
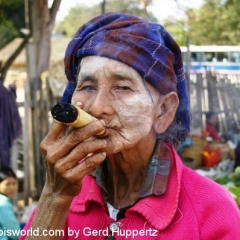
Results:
x,y
8,186
114,92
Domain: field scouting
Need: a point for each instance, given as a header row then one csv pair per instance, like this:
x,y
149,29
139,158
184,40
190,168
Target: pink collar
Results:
x,y
157,210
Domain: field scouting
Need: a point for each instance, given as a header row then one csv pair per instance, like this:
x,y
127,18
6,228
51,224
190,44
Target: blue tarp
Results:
x,y
10,122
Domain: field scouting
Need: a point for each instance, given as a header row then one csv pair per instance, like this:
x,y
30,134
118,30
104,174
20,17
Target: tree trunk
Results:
x,y
43,23
103,6
39,50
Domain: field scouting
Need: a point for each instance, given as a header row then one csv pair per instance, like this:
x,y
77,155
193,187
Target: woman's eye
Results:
x,y
86,88
123,88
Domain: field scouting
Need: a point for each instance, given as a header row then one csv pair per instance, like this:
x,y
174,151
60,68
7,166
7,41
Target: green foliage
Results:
x,y
76,17
223,180
237,171
7,32
216,22
11,20
233,177
236,192
177,30
81,14
232,183
237,176
130,7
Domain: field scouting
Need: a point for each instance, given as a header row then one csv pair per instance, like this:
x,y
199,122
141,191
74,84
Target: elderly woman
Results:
x,y
127,72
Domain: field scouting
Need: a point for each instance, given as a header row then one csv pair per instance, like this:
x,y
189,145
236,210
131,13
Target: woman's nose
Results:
x,y
101,103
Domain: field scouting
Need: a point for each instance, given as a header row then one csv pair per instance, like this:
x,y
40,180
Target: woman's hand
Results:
x,y
63,152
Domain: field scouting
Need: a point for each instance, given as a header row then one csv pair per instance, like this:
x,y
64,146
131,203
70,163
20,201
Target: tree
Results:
x,y
4,67
11,20
77,16
43,19
41,26
216,22
80,14
103,6
231,22
177,28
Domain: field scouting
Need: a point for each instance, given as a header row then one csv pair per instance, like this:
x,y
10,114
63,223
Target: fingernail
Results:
x,y
90,154
79,103
104,154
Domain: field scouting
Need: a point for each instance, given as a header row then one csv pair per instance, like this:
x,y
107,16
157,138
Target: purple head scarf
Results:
x,y
143,45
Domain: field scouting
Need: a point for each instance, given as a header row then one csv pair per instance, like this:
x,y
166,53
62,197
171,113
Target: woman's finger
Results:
x,y
81,151
83,133
75,175
56,131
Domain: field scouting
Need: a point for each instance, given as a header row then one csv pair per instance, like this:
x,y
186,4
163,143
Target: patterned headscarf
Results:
x,y
143,45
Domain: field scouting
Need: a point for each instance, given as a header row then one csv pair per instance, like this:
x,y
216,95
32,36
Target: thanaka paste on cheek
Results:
x,y
136,112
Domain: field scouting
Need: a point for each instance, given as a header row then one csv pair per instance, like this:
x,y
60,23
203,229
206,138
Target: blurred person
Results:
x,y
210,130
129,182
8,188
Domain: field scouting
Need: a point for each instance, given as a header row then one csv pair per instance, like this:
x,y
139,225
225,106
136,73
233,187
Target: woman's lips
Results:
x,y
105,134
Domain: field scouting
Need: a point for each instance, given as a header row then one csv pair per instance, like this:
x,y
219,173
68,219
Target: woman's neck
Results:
x,y
127,171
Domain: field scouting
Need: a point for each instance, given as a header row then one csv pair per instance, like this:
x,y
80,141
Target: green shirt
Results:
x,y
9,226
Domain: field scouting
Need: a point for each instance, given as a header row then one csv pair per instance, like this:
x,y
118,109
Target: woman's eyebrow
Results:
x,y
82,77
122,76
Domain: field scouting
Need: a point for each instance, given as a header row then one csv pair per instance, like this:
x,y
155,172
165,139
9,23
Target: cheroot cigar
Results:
x,y
72,116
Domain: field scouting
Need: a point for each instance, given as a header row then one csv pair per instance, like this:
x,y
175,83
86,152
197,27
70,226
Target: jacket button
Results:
x,y
113,227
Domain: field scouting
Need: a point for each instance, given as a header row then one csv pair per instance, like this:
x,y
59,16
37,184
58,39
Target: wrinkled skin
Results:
x,y
131,111
62,154
115,93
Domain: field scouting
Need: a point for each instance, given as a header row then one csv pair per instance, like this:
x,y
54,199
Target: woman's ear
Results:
x,y
166,110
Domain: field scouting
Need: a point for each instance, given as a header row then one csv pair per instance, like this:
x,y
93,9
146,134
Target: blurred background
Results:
x,y
33,39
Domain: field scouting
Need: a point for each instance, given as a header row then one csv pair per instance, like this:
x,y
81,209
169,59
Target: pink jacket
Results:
x,y
193,208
